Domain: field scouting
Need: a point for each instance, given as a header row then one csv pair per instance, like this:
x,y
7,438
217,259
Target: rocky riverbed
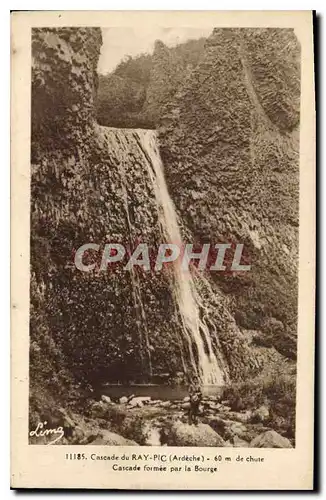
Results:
x,y
145,421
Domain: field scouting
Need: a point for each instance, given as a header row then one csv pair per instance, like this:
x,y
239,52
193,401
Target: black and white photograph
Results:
x,y
165,215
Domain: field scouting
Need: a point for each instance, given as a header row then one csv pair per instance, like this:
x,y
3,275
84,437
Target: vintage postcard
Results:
x,y
163,250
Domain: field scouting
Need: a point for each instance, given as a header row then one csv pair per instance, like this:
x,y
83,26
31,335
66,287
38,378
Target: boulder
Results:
x,y
211,407
155,402
237,429
239,443
227,428
182,434
186,399
139,401
135,404
165,404
98,410
254,430
123,400
223,408
217,424
106,399
270,439
89,436
112,439
261,414
241,417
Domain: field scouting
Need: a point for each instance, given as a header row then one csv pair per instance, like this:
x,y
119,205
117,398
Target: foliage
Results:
x,y
136,93
277,392
136,69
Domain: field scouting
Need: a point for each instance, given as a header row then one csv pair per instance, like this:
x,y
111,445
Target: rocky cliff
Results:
x,y
135,94
229,143
95,184
89,184
230,148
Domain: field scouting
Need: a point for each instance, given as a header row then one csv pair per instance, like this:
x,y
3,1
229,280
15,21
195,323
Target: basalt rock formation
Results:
x,y
230,146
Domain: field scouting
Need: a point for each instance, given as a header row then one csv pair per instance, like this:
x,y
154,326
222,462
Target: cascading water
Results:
x,y
195,329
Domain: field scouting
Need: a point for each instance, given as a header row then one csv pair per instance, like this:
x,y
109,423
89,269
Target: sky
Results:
x,y
120,42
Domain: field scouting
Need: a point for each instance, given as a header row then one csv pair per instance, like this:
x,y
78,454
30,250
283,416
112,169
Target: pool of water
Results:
x,y
163,392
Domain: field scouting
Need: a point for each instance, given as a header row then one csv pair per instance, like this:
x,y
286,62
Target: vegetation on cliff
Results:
x,y
136,93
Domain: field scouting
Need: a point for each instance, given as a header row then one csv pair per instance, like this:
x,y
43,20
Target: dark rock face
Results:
x,y
63,100
230,149
170,67
90,184
273,57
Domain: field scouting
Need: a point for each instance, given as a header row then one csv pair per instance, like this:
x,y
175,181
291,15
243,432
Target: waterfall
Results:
x,y
195,329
